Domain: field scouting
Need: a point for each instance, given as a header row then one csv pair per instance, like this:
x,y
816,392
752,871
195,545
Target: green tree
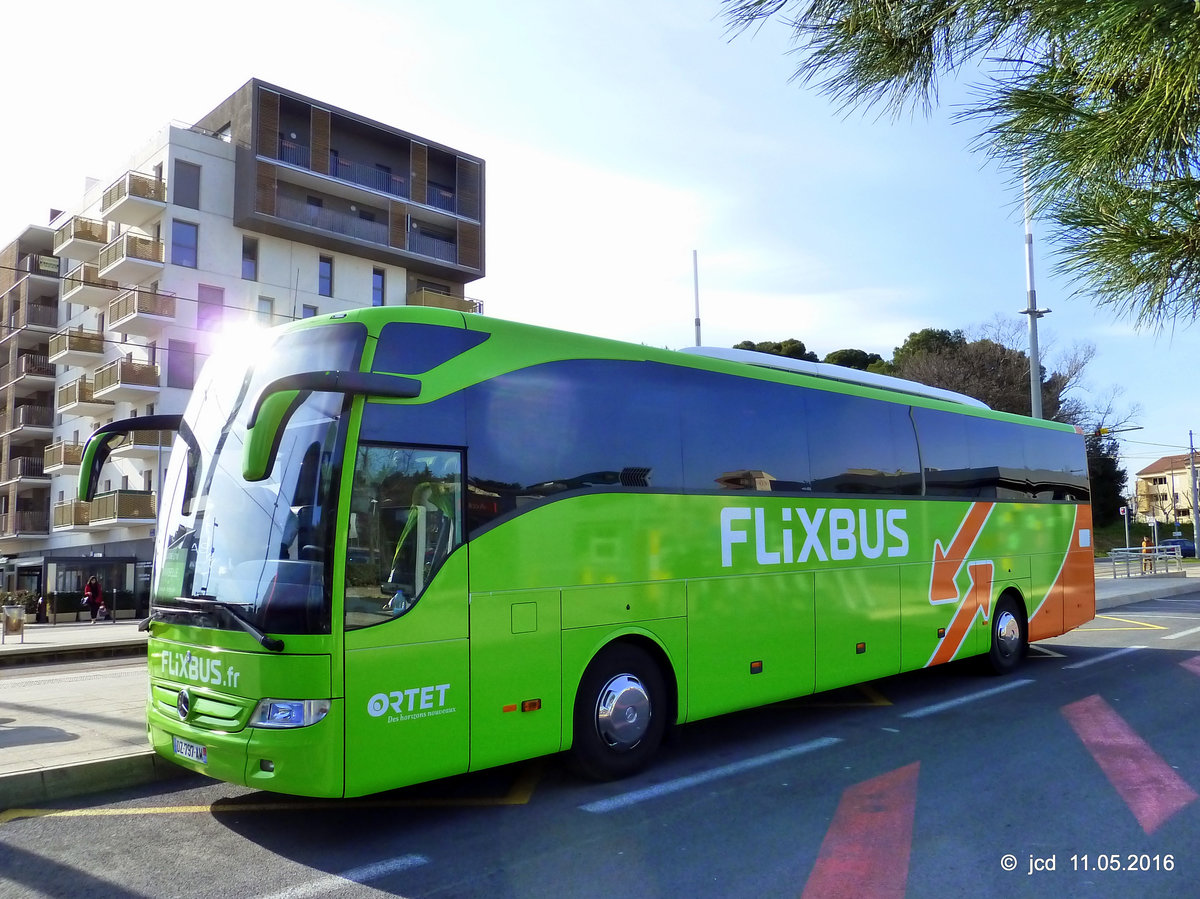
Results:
x,y
852,358
1097,103
792,348
1108,478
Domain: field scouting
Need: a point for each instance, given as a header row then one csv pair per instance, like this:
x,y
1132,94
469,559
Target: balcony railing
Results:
x,y
131,246
62,455
143,443
84,285
440,196
76,340
368,176
23,467
73,513
14,524
80,236
123,372
34,314
133,184
79,392
123,505
428,245
331,220
129,310
424,297
293,153
34,264
27,417
33,365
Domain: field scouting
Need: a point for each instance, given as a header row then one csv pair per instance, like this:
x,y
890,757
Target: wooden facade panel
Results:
x,y
268,123
420,172
469,245
320,140
264,189
469,188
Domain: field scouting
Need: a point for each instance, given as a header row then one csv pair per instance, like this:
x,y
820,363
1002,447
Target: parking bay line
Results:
x,y
964,700
361,875
624,800
1187,633
1103,658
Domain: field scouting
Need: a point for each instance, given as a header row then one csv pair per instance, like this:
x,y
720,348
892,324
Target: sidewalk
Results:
x,y
71,729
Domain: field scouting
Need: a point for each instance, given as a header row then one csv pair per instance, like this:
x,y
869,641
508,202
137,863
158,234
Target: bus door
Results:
x,y
405,614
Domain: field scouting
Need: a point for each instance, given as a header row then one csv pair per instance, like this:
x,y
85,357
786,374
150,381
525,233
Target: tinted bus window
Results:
x,y
862,446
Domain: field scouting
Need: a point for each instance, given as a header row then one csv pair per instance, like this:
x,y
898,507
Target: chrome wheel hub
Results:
x,y
623,712
1008,634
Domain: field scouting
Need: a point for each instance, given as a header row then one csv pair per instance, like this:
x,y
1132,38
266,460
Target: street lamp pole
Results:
x,y
1034,313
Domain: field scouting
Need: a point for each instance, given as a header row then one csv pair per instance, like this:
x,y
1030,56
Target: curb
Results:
x,y
32,654
50,784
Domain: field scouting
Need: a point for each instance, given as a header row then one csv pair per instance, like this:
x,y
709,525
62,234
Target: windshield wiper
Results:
x,y
272,643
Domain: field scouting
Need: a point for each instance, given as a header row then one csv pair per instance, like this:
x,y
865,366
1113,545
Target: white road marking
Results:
x,y
363,875
1105,657
1187,633
624,800
964,700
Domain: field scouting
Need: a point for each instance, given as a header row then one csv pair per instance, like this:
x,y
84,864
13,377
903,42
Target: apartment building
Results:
x,y
272,207
1163,489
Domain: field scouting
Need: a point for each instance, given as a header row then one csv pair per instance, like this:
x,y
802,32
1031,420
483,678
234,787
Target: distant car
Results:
x,y
1186,547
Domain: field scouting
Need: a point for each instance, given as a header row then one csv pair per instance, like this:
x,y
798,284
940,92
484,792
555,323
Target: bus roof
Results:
x,y
831,372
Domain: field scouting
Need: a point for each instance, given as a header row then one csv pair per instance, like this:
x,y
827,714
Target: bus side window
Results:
x,y
405,519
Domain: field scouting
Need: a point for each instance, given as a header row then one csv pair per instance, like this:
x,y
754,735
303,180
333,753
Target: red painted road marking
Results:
x,y
1192,664
1149,786
865,851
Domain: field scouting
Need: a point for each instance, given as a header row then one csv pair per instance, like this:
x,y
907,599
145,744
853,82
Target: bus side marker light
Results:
x,y
531,705
941,633
509,708
860,648
756,667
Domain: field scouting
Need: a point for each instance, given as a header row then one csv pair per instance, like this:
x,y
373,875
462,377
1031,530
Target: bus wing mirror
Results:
x,y
100,444
279,400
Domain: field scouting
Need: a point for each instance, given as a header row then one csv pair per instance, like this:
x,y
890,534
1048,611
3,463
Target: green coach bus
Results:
x,y
400,544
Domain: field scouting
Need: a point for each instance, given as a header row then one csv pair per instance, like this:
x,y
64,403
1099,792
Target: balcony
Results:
x,y
23,468
30,421
143,445
134,199
294,210
131,258
78,398
425,244
73,515
124,380
424,297
41,268
368,176
294,154
31,323
81,239
76,346
30,373
24,524
62,458
141,311
122,508
439,196
83,285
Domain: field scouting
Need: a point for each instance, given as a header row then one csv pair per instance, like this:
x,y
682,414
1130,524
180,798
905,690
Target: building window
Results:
x,y
266,310
249,258
147,480
325,276
185,239
378,280
186,184
181,364
308,311
210,306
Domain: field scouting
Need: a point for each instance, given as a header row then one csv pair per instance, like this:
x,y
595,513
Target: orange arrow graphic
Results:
x,y
947,562
979,599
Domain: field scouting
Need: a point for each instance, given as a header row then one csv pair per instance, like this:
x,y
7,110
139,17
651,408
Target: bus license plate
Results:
x,y
190,750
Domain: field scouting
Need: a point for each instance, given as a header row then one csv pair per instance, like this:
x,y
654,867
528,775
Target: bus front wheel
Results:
x,y
1009,637
620,713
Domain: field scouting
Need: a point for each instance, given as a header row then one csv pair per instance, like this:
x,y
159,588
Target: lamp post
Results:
x,y
1031,309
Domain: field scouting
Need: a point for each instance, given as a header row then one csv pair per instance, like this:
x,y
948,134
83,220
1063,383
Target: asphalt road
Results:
x,y
1080,773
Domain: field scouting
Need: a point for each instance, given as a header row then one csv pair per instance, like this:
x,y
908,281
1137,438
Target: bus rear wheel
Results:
x,y
620,713
1010,639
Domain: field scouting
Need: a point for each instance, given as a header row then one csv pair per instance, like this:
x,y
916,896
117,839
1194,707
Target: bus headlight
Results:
x,y
288,712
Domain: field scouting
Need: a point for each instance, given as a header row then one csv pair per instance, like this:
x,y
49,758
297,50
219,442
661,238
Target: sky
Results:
x,y
619,138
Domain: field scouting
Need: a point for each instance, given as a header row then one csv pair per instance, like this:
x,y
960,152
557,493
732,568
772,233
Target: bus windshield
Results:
x,y
233,553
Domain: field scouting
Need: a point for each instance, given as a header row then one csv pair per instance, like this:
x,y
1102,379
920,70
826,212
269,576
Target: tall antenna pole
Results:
x,y
1034,313
696,285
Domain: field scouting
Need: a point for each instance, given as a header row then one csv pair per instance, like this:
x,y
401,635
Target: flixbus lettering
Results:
x,y
824,534
198,670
